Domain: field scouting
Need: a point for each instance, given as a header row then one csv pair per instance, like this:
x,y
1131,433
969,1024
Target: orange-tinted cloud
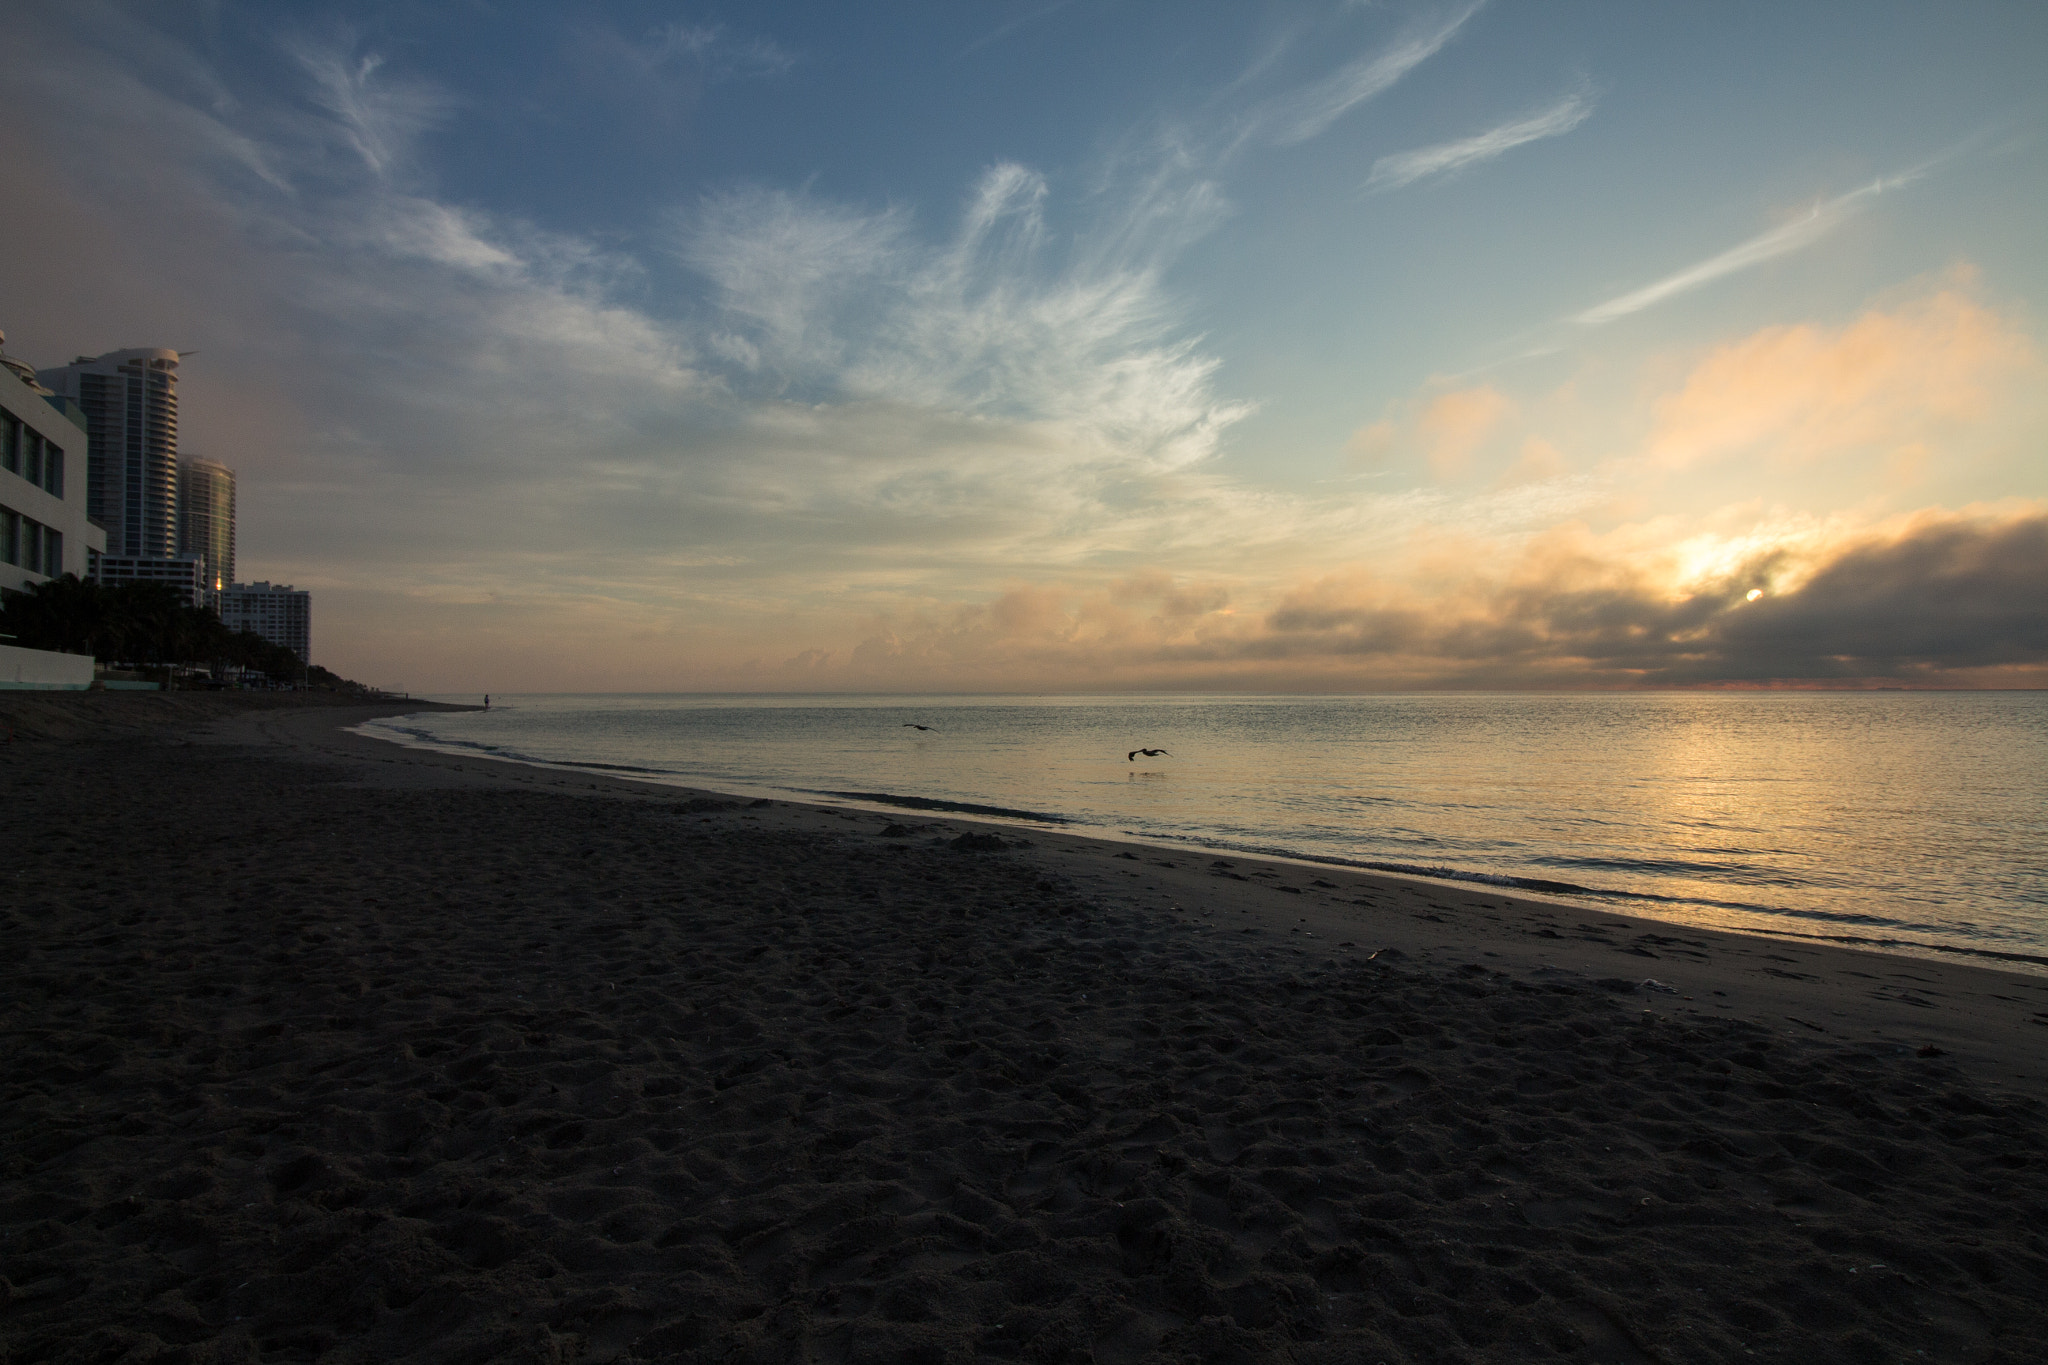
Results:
x,y
1445,427
1879,383
1455,424
1373,442
1539,460
1934,598
1937,598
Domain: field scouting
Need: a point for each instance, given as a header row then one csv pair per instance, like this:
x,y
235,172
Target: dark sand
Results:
x,y
320,1049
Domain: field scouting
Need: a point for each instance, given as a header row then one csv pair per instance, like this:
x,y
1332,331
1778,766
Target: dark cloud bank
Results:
x,y
1947,601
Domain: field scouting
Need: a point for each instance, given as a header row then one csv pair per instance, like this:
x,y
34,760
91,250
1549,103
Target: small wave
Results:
x,y
928,803
1438,873
1861,941
1457,874
417,737
1738,874
426,736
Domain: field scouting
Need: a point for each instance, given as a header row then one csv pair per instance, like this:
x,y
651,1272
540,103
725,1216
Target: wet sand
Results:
x,y
316,1048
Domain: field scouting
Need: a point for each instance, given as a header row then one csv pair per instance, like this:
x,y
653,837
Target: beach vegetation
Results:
x,y
146,624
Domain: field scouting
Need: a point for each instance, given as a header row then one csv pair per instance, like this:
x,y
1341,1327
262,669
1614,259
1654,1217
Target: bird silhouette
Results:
x,y
913,725
1149,753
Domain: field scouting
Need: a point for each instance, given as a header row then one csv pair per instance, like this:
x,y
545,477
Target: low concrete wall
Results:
x,y
42,670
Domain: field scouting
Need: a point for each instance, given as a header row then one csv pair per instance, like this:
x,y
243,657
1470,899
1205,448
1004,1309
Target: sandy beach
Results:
x,y
320,1049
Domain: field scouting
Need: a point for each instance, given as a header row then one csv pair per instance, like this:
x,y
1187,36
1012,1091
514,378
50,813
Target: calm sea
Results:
x,y
1916,821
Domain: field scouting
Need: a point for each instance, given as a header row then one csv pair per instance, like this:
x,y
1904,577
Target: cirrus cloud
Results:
x,y
1448,158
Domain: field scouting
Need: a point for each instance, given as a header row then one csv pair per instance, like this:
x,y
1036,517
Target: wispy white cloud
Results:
x,y
1803,231
163,86
1276,47
1445,158
783,265
1153,198
378,116
716,49
830,302
656,78
1308,112
1004,30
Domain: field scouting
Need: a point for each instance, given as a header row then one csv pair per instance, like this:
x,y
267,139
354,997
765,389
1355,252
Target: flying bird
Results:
x,y
1149,753
913,725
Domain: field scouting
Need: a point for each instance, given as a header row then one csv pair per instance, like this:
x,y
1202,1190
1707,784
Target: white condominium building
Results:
x,y
44,530
186,573
281,614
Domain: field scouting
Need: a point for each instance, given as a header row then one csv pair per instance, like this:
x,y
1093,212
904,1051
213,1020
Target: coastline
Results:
x,y
1939,869
563,1062
1759,976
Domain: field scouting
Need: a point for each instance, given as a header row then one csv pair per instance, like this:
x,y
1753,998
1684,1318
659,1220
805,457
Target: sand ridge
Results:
x,y
430,1058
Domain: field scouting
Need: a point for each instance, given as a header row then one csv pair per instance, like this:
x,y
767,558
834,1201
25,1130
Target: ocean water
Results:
x,y
1912,821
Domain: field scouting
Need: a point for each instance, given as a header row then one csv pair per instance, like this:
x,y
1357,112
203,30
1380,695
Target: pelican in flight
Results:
x,y
913,725
1149,753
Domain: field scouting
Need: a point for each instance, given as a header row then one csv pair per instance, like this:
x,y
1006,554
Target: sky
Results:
x,y
1079,345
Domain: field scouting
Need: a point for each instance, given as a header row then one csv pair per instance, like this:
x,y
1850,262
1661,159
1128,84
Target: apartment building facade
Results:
x,y
279,613
45,531
184,573
130,403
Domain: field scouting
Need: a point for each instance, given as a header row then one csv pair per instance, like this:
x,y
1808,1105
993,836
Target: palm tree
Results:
x,y
69,614
145,623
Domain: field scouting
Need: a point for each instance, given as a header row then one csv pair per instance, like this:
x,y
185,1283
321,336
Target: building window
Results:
x,y
53,470
29,544
10,442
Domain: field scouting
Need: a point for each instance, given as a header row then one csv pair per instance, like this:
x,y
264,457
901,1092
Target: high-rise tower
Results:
x,y
206,519
130,400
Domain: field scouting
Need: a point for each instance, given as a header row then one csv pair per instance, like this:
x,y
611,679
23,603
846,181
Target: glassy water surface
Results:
x,y
1917,821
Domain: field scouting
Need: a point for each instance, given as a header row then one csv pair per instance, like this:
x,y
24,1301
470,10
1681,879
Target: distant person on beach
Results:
x,y
487,701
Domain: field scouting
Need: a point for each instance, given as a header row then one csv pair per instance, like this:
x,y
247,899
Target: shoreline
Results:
x,y
1982,1037
413,1055
1588,899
